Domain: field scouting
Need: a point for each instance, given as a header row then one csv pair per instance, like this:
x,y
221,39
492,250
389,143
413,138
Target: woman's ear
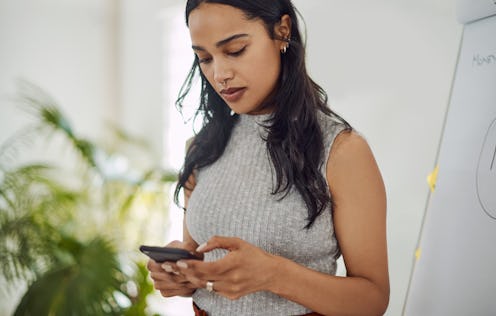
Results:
x,y
283,28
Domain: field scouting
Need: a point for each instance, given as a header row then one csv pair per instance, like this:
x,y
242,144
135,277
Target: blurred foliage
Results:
x,y
87,278
70,229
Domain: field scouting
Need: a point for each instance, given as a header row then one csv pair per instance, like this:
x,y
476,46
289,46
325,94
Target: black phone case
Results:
x,y
162,254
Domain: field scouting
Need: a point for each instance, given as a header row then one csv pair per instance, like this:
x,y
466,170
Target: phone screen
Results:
x,y
162,254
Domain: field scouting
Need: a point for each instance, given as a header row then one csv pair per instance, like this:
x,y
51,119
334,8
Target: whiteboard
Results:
x,y
455,268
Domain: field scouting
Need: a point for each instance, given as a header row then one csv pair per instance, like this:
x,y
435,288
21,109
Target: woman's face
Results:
x,y
236,55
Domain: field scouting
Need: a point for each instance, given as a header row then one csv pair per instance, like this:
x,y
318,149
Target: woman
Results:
x,y
277,186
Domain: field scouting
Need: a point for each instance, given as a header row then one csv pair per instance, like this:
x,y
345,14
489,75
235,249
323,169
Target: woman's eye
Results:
x,y
204,60
237,53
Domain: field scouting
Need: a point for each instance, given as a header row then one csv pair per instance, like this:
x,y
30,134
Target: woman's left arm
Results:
x,y
359,216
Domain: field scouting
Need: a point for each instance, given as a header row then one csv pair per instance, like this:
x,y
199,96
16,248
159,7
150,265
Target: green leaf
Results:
x,y
84,287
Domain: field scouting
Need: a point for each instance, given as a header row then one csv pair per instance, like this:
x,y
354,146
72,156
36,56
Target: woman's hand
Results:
x,y
167,278
245,269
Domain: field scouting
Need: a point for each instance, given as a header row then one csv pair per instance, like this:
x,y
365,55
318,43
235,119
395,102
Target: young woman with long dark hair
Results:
x,y
277,185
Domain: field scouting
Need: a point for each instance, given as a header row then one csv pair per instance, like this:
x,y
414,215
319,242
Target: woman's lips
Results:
x,y
232,94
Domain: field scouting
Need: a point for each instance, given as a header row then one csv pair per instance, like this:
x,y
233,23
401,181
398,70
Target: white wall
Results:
x,y
101,60
387,66
68,49
141,71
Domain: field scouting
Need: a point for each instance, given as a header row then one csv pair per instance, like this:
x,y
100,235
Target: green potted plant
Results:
x,y
73,243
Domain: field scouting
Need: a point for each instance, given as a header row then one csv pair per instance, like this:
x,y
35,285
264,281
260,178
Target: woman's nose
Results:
x,y
222,73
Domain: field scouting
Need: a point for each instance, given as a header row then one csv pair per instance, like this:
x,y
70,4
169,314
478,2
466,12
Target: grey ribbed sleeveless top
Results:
x,y
232,197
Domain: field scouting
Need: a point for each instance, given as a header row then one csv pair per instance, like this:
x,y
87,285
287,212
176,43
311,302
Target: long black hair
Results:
x,y
294,139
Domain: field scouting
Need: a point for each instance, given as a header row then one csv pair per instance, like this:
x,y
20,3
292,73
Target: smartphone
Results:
x,y
162,254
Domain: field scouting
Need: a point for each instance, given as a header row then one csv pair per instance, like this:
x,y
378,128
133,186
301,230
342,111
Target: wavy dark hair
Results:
x,y
294,139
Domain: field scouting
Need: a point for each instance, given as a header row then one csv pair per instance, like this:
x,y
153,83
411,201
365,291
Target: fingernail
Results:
x,y
201,247
182,264
167,268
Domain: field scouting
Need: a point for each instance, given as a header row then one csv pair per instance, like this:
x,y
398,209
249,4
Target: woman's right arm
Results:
x,y
165,276
188,189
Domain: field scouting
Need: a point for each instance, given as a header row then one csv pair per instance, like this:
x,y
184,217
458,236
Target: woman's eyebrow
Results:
x,y
221,42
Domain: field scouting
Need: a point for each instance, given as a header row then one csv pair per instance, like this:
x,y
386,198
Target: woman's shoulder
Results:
x,y
351,154
345,145
348,143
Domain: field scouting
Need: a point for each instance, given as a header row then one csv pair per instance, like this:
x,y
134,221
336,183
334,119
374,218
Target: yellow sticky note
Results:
x,y
418,252
432,178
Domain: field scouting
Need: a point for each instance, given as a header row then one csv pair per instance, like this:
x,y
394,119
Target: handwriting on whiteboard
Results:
x,y
481,60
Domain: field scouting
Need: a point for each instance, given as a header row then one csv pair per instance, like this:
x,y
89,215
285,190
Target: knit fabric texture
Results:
x,y
232,197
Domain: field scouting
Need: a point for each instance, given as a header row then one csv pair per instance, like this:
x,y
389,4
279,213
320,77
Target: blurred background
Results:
x,y
87,91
